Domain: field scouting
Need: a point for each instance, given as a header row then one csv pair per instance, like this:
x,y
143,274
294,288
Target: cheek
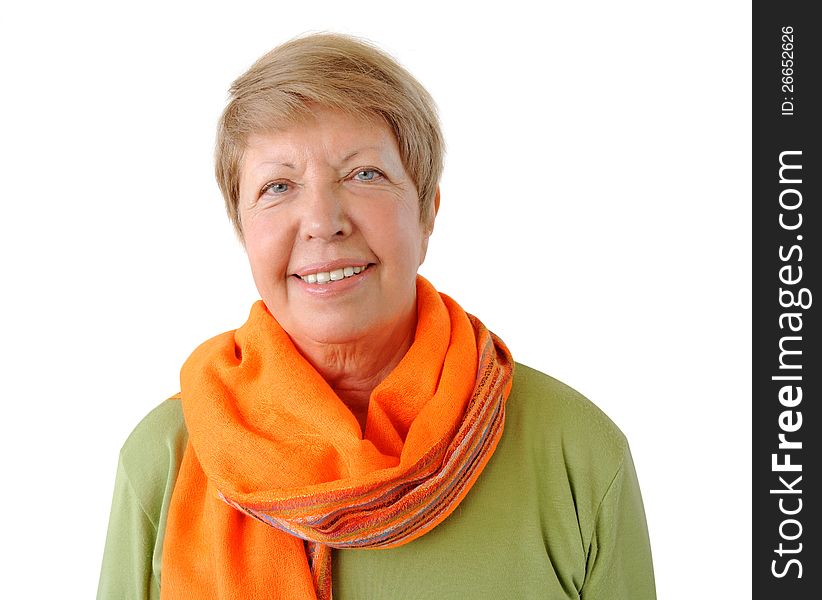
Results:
x,y
267,254
395,235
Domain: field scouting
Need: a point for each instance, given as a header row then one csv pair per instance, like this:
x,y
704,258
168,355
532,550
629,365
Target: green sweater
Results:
x,y
556,514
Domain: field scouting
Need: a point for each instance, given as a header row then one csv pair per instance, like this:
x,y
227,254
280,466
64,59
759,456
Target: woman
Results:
x,y
358,409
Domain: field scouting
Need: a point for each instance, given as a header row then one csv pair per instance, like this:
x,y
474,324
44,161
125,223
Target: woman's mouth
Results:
x,y
322,277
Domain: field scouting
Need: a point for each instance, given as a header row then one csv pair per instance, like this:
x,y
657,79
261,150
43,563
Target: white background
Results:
x,y
595,214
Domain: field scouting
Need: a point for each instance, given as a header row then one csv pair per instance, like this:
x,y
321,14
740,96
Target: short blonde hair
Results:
x,y
335,71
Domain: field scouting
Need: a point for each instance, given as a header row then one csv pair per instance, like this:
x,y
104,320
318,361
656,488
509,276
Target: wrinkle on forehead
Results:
x,y
336,140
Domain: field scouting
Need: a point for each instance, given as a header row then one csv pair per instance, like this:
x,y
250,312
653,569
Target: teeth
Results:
x,y
335,275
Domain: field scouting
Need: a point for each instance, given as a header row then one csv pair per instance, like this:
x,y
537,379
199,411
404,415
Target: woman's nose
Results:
x,y
324,215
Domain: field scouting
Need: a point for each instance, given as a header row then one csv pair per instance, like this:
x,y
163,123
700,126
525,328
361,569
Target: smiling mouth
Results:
x,y
323,277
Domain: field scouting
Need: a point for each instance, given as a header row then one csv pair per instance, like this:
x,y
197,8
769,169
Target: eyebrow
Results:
x,y
291,165
273,162
357,151
352,155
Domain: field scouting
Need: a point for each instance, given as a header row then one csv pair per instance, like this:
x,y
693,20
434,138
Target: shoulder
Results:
x,y
150,457
559,407
557,460
560,424
160,431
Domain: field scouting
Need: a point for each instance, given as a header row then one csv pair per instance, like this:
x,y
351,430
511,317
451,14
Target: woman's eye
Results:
x,y
367,175
276,187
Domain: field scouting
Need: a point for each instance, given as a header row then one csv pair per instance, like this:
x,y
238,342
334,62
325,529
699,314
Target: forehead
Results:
x,y
323,132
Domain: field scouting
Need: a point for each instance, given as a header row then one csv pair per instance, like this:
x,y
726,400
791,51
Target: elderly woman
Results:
x,y
362,434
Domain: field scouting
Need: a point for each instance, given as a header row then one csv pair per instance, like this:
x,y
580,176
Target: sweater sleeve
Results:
x,y
146,474
127,561
619,565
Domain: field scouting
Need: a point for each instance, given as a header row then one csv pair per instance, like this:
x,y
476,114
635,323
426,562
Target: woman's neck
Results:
x,y
354,368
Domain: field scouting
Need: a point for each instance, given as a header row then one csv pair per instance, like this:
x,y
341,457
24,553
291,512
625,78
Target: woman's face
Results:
x,y
332,227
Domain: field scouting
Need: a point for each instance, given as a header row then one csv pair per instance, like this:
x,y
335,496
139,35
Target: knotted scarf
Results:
x,y
277,470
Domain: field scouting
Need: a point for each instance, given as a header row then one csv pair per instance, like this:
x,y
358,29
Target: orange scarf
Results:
x,y
277,471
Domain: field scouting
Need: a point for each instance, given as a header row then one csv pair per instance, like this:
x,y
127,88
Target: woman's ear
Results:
x,y
433,209
428,226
